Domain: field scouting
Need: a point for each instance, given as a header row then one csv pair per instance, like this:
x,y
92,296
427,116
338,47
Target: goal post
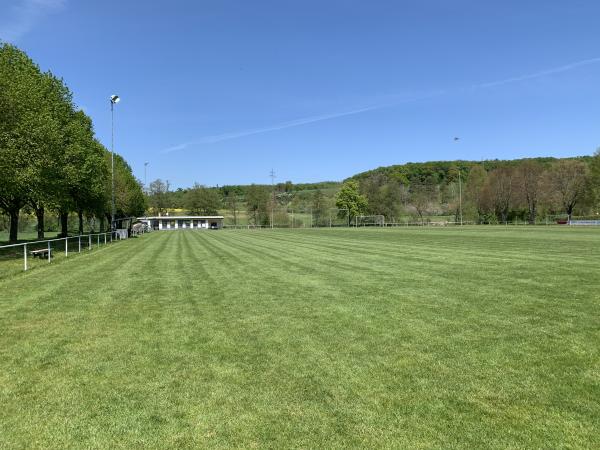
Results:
x,y
377,220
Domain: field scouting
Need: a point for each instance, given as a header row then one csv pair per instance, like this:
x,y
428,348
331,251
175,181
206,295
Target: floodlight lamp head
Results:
x,y
115,99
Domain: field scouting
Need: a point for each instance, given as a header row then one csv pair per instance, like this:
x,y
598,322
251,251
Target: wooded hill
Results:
x,y
445,171
491,191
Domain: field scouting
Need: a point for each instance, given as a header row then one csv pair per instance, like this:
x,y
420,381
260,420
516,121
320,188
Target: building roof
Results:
x,y
179,217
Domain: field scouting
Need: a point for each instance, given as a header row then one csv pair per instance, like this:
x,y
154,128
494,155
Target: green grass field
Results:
x,y
316,338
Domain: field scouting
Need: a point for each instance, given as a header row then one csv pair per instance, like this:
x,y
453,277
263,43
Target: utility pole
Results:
x,y
460,197
457,139
272,175
145,178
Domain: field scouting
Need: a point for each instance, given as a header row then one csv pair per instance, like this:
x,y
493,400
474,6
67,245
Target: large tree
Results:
x,y
202,200
318,207
28,129
257,204
84,172
423,195
474,190
451,193
350,201
499,189
157,196
232,202
567,182
529,180
384,195
129,193
49,157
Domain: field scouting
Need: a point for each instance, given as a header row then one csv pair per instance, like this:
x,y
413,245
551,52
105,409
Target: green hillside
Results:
x,y
442,170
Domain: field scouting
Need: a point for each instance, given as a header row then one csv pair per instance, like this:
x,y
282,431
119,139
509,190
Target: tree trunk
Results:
x,y
80,217
14,225
569,212
420,217
102,224
64,224
39,214
532,215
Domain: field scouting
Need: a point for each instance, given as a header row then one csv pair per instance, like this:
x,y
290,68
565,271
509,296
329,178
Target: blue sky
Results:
x,y
220,92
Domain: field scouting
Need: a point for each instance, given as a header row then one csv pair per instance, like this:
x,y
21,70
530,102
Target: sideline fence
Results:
x,y
359,222
32,253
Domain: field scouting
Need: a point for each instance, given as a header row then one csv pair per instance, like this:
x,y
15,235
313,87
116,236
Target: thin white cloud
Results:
x,y
540,74
279,126
294,123
392,102
22,17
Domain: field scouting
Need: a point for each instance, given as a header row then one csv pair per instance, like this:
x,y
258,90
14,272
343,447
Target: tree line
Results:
x,y
479,192
50,159
202,200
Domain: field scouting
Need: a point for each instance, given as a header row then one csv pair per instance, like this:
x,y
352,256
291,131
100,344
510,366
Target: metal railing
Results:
x,y
50,248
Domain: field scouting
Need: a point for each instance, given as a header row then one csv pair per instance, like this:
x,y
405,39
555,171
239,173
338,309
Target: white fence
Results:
x,y
50,248
585,222
360,223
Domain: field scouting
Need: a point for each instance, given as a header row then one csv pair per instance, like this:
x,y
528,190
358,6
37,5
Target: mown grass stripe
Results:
x,y
308,338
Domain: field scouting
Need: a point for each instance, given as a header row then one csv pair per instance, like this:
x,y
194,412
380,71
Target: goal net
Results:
x,y
369,221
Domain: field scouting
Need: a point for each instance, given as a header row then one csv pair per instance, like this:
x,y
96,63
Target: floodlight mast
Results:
x,y
145,180
114,99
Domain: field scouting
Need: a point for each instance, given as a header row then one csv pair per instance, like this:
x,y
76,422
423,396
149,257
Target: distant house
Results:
x,y
183,222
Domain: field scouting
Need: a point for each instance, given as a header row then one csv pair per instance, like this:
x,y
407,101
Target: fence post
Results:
x,y
48,251
79,243
98,241
104,238
25,255
89,241
66,247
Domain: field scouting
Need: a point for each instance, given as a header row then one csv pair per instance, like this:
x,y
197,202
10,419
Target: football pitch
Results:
x,y
317,338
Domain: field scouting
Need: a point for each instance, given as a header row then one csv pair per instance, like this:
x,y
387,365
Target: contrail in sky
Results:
x,y
279,126
319,118
540,74
293,123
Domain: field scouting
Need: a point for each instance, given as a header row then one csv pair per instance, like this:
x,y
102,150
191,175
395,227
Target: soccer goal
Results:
x,y
369,221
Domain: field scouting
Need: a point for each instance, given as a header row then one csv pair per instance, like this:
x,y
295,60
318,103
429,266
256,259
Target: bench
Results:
x,y
42,253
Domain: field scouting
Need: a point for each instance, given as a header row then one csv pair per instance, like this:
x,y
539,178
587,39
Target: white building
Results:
x,y
183,222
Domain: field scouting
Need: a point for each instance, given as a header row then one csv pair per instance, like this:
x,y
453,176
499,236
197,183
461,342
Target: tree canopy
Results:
x,y
49,156
350,201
